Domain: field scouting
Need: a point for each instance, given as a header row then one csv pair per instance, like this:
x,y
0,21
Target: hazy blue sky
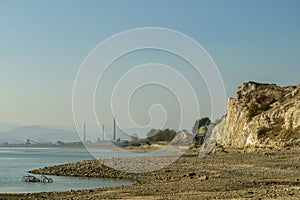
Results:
x,y
43,43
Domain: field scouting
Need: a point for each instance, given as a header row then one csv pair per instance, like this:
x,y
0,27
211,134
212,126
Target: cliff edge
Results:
x,y
262,115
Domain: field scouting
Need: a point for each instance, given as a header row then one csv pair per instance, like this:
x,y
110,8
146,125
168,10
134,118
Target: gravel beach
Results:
x,y
230,174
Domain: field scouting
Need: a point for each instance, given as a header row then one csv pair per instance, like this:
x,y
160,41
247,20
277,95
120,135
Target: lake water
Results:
x,y
15,162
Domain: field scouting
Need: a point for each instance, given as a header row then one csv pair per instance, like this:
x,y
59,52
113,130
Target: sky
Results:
x,y
43,44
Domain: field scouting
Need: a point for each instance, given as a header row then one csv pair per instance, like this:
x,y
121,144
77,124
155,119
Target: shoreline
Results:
x,y
141,149
263,174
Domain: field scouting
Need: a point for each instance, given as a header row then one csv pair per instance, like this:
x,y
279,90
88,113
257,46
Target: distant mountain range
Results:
x,y
4,127
37,133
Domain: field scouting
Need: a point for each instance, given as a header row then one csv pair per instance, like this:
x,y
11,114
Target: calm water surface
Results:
x,y
15,162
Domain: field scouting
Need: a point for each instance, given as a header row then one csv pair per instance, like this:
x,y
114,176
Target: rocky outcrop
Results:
x,y
182,138
262,115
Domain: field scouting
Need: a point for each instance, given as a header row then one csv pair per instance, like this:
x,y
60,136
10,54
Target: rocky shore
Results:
x,y
230,174
257,157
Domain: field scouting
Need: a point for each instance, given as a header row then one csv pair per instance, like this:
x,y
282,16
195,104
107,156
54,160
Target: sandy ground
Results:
x,y
263,174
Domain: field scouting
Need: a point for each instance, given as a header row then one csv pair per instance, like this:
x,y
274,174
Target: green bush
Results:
x,y
199,123
265,106
253,110
256,109
161,135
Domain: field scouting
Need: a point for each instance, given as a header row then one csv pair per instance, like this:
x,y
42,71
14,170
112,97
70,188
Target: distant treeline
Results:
x,y
154,136
161,135
167,135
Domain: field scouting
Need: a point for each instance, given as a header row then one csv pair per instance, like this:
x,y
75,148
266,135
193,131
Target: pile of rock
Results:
x,y
33,179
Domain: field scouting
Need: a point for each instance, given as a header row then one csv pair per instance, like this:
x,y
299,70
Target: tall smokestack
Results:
x,y
84,133
114,128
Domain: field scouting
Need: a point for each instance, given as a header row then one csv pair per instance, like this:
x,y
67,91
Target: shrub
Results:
x,y
135,140
265,106
161,135
200,122
255,109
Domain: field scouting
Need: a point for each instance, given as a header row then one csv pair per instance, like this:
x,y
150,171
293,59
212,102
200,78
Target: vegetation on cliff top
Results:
x,y
261,104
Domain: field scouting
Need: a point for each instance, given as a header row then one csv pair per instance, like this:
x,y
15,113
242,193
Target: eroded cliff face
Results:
x,y
262,115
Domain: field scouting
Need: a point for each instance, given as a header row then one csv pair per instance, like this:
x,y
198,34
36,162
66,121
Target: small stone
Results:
x,y
192,174
202,178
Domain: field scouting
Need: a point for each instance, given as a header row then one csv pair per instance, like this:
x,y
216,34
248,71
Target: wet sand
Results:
x,y
262,174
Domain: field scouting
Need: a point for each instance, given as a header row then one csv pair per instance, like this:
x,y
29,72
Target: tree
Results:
x,y
135,140
200,122
161,135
